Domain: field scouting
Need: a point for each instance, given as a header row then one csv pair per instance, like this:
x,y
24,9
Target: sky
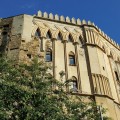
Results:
x,y
104,13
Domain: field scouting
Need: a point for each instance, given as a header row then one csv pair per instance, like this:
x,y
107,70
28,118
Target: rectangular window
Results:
x,y
71,60
48,57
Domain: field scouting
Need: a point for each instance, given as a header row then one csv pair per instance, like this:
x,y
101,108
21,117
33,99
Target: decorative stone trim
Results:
x,y
76,22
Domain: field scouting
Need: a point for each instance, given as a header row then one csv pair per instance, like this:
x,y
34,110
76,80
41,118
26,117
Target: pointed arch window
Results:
x,y
71,58
73,85
37,33
48,35
59,37
70,39
48,56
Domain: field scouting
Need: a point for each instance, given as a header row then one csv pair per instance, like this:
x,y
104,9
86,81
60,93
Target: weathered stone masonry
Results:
x,y
77,48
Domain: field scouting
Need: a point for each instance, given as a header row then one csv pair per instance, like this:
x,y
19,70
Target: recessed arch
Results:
x,y
48,34
71,53
37,33
59,36
74,78
70,38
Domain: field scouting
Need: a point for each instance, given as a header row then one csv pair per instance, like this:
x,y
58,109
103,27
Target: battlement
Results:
x,y
76,22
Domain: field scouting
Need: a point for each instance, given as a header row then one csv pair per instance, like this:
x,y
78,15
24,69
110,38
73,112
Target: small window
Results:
x,y
71,58
48,56
37,33
59,37
48,35
116,75
70,39
73,86
103,68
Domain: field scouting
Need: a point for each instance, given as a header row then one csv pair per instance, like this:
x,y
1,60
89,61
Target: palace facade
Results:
x,y
79,49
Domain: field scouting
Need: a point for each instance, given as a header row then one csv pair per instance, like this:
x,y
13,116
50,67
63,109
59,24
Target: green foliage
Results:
x,y
29,92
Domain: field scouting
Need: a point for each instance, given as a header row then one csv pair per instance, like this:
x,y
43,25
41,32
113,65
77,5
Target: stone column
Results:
x,y
78,67
41,44
53,57
65,60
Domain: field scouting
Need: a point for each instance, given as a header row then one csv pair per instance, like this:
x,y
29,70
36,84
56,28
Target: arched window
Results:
x,y
48,56
48,35
71,58
70,39
59,37
37,33
73,85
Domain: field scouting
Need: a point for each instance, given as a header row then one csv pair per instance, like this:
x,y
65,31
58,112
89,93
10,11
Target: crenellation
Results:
x,y
96,26
84,22
112,41
117,45
93,23
45,15
79,22
73,20
89,22
62,18
57,17
51,16
67,19
39,14
106,35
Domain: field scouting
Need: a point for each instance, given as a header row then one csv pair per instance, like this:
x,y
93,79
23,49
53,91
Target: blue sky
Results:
x,y
104,13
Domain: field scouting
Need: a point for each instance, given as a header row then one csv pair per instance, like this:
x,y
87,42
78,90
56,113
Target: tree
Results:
x,y
29,92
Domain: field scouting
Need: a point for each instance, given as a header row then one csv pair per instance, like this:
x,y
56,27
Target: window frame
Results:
x,y
48,55
73,85
72,61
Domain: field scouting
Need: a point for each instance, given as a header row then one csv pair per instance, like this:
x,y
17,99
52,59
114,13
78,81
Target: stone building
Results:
x,y
77,48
